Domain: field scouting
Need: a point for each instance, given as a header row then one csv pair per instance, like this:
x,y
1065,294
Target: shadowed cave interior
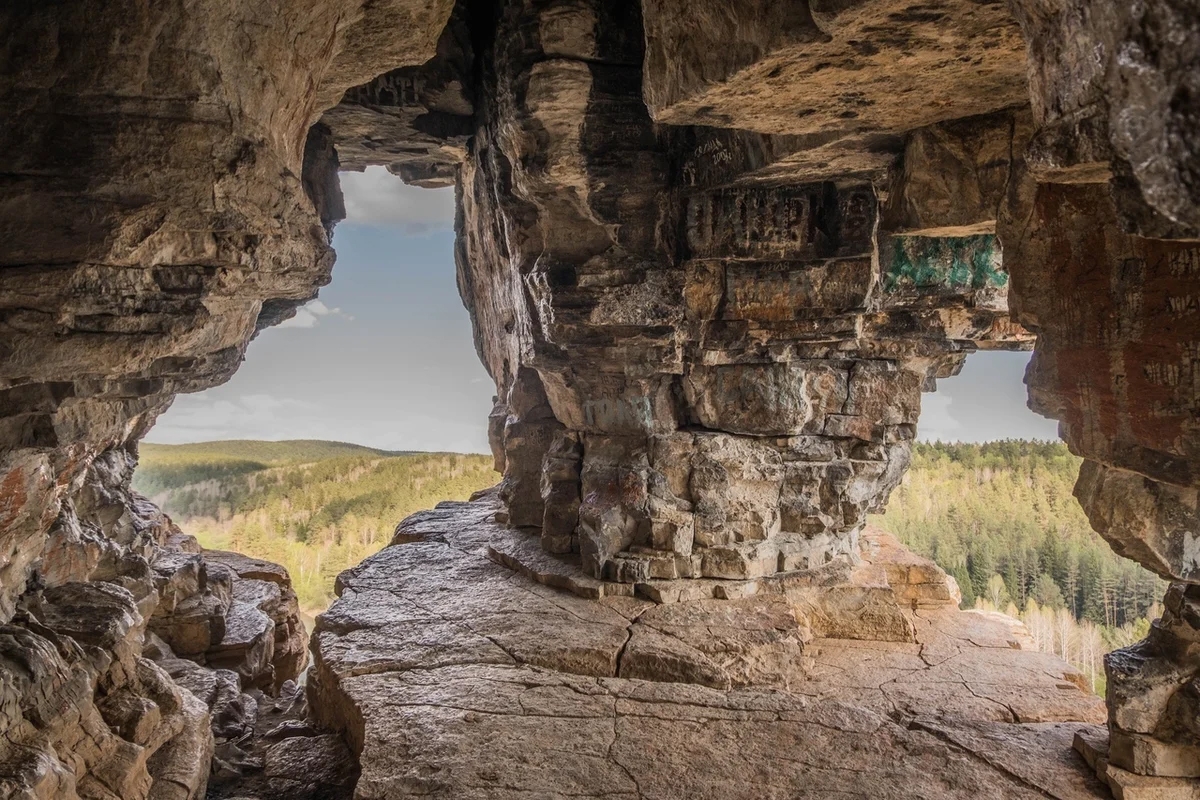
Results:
x,y
712,253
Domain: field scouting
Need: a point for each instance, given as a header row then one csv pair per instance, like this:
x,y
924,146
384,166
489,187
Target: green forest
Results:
x,y
1007,508
164,467
314,507
1000,517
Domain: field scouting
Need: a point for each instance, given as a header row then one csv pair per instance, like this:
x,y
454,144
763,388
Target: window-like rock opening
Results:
x,y
985,402
989,497
300,466
713,253
367,405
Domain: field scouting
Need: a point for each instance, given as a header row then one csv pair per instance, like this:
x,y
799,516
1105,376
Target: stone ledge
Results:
x,y
505,732
452,675
523,552
1094,745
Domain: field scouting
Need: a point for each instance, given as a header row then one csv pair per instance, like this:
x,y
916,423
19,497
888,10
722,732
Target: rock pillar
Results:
x,y
708,369
1103,243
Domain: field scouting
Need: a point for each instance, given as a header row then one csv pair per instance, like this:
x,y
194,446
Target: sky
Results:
x,y
384,356
984,402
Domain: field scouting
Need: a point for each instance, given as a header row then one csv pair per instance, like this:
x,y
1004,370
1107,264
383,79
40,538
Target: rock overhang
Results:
x,y
709,292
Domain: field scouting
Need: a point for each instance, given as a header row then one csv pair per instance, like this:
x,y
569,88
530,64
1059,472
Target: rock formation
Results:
x,y
103,688
713,253
509,687
166,195
720,370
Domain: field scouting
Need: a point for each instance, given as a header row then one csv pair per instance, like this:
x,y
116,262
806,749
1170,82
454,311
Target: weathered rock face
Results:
x,y
713,253
165,197
707,374
829,68
158,214
1114,94
453,677
415,120
86,714
1102,238
98,704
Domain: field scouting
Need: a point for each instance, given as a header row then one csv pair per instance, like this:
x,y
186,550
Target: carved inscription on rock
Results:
x,y
1118,318
802,223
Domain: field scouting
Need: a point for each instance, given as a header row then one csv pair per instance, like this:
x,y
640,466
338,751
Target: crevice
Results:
x,y
918,725
628,638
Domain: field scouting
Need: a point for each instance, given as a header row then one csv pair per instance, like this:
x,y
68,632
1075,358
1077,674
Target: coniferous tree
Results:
x,y
1046,592
1008,508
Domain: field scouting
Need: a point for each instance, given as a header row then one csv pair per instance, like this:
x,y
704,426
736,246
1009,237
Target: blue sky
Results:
x,y
385,358
985,401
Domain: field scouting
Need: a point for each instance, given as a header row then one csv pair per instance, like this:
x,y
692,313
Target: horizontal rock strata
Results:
x,y
126,667
452,675
713,253
166,195
713,373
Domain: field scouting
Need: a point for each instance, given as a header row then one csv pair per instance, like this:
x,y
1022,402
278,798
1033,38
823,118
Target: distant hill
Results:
x,y
168,466
287,451
316,507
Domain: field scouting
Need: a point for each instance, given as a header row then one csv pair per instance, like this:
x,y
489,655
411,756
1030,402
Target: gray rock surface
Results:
x,y
86,716
454,676
713,252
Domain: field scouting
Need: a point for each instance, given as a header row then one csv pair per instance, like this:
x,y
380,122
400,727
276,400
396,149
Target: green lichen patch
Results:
x,y
940,263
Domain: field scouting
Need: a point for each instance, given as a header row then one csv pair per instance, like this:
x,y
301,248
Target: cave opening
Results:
x,y
368,404
989,497
714,252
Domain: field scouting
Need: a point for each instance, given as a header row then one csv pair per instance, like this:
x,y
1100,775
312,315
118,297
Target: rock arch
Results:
x,y
713,253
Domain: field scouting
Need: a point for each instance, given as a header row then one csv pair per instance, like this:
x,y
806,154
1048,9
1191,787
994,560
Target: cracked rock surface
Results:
x,y
454,676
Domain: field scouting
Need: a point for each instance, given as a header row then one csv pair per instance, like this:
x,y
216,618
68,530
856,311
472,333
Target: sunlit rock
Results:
x,y
712,252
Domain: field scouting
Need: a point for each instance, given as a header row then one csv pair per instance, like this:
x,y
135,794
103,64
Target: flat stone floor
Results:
x,y
454,676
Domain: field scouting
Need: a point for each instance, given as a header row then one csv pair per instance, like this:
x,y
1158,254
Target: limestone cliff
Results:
x,y
165,195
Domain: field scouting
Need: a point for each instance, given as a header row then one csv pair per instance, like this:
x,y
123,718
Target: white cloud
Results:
x,y
376,197
309,314
936,421
322,310
202,418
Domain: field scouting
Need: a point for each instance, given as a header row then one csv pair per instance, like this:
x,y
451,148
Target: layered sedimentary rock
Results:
x,y
1113,91
165,200
759,312
414,120
1115,364
713,253
454,678
1102,223
85,714
705,373
164,197
126,657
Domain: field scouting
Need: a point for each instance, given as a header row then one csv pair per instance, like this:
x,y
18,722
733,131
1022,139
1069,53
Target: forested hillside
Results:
x,y
170,466
1006,508
1001,518
315,507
